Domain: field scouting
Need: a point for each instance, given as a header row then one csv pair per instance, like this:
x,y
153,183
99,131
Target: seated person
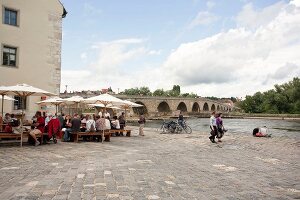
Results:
x,y
14,121
90,124
100,124
66,128
38,127
107,123
7,118
261,132
74,127
115,124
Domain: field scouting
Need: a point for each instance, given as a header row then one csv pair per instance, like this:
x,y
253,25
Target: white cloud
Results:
x,y
251,18
89,9
83,55
210,4
203,18
112,66
154,52
240,61
295,3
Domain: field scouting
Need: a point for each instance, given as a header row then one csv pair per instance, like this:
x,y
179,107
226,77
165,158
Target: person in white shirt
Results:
x,y
213,127
106,114
90,124
100,113
48,118
107,124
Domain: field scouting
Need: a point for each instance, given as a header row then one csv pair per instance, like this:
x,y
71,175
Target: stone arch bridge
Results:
x,y
156,106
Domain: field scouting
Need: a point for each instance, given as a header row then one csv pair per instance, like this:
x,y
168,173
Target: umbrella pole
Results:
x,y
22,118
2,105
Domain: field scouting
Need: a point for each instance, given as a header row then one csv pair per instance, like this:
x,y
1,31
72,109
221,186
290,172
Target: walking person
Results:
x,y
142,122
220,127
213,127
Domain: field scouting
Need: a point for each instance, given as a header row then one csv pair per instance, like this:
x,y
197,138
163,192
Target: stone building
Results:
x,y
30,47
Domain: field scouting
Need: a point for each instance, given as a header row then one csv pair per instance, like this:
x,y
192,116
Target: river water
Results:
x,y
278,128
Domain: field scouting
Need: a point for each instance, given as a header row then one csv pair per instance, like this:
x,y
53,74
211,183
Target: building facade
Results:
x,y
30,47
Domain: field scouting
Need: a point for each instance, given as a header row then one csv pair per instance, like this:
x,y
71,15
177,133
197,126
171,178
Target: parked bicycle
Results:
x,y
175,127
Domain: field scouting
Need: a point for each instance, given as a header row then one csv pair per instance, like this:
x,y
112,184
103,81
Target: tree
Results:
x,y
176,90
283,98
159,92
145,91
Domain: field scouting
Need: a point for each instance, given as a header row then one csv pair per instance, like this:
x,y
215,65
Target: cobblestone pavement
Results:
x,y
156,166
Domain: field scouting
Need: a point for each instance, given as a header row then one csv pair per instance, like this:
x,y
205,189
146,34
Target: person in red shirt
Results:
x,y
39,127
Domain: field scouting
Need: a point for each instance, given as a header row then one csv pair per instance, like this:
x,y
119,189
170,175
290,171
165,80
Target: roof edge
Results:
x,y
64,14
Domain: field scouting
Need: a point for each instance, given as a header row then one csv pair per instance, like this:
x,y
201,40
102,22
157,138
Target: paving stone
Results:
x,y
158,166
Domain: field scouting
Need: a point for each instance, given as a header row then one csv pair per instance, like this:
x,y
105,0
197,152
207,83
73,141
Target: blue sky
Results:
x,y
193,43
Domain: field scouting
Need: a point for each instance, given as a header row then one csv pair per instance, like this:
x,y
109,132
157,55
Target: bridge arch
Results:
x,y
213,107
205,107
196,107
163,107
140,110
218,108
182,107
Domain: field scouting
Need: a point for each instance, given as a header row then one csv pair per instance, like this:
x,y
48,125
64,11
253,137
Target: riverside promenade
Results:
x,y
156,166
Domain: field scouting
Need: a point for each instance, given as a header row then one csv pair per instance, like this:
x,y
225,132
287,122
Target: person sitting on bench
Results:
x,y
38,127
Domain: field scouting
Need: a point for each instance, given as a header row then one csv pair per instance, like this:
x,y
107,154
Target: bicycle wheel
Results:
x,y
188,129
179,129
162,129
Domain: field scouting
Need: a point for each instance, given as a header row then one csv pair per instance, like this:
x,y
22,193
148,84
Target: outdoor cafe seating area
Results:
x,y
50,127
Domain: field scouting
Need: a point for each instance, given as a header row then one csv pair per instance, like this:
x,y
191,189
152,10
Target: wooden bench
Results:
x,y
104,134
127,131
17,136
10,135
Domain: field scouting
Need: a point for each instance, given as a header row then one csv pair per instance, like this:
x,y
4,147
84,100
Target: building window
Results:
x,y
19,103
9,56
10,17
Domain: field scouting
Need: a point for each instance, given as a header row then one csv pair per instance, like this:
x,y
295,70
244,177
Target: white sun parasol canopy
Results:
x,y
128,104
73,100
105,99
23,90
7,98
52,101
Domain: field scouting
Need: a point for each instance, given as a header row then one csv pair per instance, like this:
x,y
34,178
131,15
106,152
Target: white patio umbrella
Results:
x,y
52,101
74,100
23,90
105,99
128,104
7,98
103,106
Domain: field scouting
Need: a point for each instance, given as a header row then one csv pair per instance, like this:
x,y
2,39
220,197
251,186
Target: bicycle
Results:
x,y
175,127
183,127
167,127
